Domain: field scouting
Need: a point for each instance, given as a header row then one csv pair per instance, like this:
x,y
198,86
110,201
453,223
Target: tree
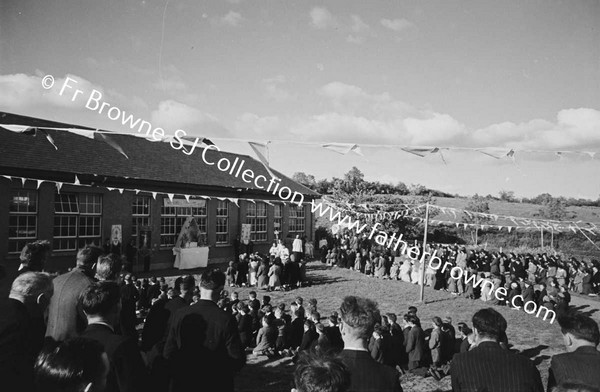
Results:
x,y
477,204
508,196
553,209
401,188
307,180
353,179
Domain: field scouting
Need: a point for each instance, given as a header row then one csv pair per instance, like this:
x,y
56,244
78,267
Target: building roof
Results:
x,y
152,166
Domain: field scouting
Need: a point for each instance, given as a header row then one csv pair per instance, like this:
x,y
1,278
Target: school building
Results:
x,y
76,188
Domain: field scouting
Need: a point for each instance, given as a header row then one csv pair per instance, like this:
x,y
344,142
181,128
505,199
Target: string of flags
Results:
x,y
261,148
170,196
415,212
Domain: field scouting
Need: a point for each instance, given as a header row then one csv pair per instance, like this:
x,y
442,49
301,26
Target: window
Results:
x,y
22,219
77,220
222,222
256,215
296,219
278,219
140,214
173,216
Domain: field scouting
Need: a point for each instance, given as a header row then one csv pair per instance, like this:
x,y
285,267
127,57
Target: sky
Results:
x,y
501,75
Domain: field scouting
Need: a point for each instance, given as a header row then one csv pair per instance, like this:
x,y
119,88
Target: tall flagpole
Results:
x,y
422,280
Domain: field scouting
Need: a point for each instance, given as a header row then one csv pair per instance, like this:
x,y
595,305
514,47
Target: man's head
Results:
x,y
359,316
412,310
75,365
33,288
186,287
212,282
252,295
108,267
35,254
488,324
88,256
318,373
101,300
578,330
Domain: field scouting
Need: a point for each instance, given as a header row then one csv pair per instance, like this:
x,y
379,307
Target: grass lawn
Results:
x,y
533,337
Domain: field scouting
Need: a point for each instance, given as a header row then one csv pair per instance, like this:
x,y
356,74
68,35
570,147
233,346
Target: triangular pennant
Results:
x,y
18,128
340,148
45,133
488,154
170,196
39,182
7,177
110,189
83,132
509,228
154,195
234,200
109,140
137,191
416,151
23,181
77,180
262,151
120,190
58,186
187,198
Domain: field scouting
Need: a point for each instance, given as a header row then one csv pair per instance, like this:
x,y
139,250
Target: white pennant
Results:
x,y
170,196
110,189
23,180
233,200
137,191
77,180
187,198
39,182
58,186
8,177
120,190
154,195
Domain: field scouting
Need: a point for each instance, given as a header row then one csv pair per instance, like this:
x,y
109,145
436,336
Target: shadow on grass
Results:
x,y
579,309
263,374
534,354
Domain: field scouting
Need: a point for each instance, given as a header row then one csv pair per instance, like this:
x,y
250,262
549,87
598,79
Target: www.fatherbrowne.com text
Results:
x,y
434,262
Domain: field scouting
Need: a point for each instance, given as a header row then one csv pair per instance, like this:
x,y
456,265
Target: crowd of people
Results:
x,y
197,334
547,280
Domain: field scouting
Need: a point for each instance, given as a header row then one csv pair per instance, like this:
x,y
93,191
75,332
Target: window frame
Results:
x,y
257,222
20,241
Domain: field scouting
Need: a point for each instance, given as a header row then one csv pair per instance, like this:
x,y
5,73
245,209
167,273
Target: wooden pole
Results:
x,y
422,280
552,238
542,237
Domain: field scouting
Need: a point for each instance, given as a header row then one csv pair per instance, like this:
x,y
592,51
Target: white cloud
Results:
x,y
173,115
397,25
321,18
22,93
231,19
274,90
261,127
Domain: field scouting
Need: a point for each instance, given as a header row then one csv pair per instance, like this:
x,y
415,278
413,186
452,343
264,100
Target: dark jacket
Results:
x,y
368,375
490,368
204,344
127,370
581,365
415,344
65,317
21,339
155,325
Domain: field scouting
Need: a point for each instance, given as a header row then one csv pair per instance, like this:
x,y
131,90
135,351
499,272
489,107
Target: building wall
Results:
x,y
117,210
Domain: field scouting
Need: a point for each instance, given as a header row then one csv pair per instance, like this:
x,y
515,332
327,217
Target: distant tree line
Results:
x,y
354,180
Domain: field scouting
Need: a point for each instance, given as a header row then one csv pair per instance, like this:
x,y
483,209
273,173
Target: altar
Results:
x,y
190,250
190,258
